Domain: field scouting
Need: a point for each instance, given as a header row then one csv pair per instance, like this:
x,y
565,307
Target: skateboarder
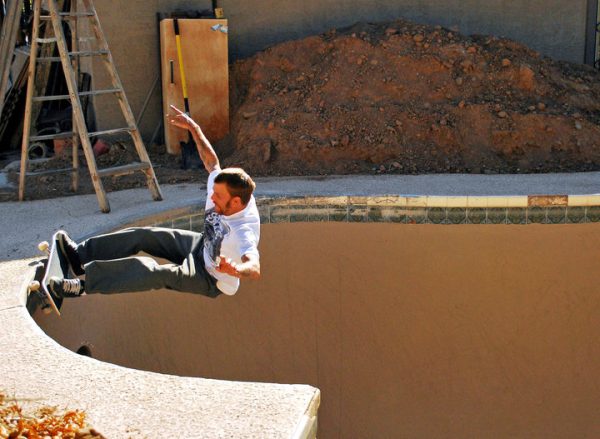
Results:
x,y
209,263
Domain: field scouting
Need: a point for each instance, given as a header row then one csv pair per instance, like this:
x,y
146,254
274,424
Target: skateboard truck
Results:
x,y
34,287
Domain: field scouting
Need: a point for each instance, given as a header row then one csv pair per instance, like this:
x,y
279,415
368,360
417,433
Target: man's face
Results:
x,y
222,199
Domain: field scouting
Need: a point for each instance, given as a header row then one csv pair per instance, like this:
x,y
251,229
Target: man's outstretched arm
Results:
x,y
205,149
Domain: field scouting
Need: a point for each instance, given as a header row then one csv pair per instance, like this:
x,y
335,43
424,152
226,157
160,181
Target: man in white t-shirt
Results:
x,y
209,263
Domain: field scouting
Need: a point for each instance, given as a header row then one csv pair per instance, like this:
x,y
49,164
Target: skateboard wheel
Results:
x,y
34,285
47,310
43,246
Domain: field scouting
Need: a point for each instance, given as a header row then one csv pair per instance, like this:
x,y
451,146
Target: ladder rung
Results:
x,y
49,98
68,15
89,53
123,170
67,134
48,58
46,40
50,171
113,131
81,53
101,92
83,93
76,14
63,135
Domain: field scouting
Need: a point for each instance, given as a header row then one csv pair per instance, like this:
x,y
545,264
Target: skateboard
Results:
x,y
55,264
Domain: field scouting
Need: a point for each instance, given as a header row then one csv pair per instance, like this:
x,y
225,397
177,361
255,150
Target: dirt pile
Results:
x,y
406,98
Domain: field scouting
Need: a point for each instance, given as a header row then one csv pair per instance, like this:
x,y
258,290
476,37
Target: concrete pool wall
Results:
x,y
414,316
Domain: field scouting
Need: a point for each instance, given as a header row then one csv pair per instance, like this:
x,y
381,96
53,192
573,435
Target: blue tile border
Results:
x,y
400,210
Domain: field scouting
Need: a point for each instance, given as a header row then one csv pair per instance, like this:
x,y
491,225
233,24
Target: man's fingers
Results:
x,y
179,116
177,110
174,121
180,120
226,261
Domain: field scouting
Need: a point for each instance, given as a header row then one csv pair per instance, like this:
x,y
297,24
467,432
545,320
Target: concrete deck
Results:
x,y
126,403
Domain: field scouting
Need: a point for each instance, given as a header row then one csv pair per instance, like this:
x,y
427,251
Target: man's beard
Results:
x,y
225,209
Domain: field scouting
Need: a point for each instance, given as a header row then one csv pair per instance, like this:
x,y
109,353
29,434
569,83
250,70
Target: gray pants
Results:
x,y
111,267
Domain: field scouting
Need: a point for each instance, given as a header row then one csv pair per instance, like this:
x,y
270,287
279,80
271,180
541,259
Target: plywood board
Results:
x,y
205,63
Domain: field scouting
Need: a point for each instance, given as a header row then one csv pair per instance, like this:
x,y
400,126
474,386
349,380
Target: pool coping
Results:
x,y
406,209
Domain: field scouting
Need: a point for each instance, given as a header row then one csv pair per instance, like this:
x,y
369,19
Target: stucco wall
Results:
x,y
554,27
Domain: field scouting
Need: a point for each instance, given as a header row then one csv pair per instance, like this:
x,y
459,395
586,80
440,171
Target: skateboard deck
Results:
x,y
56,265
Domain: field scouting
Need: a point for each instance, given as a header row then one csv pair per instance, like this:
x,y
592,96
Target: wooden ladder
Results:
x,y
80,133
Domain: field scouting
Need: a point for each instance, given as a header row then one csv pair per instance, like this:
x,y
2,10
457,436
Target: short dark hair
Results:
x,y
239,184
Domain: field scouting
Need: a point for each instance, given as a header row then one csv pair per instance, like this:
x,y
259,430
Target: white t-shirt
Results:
x,y
231,236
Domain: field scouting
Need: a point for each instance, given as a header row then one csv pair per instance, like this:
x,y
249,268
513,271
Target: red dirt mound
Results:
x,y
406,98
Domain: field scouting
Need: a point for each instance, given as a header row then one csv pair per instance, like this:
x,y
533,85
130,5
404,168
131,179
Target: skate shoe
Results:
x,y
66,287
68,247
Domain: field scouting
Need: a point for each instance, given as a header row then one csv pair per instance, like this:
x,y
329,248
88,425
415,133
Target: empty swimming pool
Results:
x,y
409,330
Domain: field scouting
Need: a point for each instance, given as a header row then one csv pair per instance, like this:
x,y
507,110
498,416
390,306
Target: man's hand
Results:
x,y
205,149
182,120
249,268
227,266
